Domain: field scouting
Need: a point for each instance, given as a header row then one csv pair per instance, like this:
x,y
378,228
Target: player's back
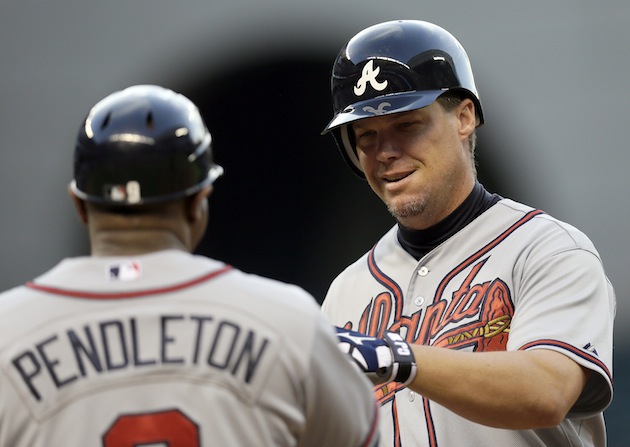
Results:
x,y
166,349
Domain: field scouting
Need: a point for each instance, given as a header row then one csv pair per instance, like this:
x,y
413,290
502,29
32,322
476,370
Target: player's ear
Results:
x,y
197,205
467,118
79,205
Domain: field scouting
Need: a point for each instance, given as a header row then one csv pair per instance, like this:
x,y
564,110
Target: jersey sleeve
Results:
x,y
565,303
340,406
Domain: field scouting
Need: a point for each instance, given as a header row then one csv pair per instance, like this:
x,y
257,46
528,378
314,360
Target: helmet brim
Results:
x,y
383,105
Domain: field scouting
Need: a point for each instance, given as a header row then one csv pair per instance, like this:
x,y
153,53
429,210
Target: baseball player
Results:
x,y
144,343
481,321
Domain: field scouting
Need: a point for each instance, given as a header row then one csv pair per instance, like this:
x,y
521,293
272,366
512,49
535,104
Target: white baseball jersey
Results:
x,y
173,350
513,279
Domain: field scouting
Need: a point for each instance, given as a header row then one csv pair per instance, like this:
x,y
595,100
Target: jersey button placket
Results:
x,y
422,272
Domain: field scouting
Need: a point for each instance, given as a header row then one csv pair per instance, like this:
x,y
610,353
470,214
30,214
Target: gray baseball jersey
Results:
x,y
513,279
171,349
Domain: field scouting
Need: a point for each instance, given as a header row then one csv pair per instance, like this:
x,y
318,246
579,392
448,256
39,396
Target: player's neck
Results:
x,y
129,243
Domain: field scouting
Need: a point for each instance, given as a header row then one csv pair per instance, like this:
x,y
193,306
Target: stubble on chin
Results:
x,y
407,209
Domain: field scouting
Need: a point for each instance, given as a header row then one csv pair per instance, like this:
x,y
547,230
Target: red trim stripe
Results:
x,y
134,294
372,435
387,282
496,241
570,348
397,440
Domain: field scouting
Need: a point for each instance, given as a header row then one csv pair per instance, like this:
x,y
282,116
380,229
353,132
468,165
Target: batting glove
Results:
x,y
383,360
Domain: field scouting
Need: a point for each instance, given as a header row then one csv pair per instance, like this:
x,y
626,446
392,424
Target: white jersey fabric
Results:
x,y
513,279
173,349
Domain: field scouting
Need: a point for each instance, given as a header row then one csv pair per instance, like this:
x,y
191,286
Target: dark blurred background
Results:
x,y
553,79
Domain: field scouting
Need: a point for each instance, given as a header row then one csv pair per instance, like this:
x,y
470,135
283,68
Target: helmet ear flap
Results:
x,y
344,138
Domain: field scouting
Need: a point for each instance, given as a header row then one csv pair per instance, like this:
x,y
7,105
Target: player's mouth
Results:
x,y
396,182
395,177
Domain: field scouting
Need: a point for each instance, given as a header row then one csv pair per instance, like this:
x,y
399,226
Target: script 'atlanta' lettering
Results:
x,y
368,76
57,360
475,316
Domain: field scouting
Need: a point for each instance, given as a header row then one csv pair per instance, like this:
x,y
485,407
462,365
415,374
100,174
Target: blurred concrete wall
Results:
x,y
553,76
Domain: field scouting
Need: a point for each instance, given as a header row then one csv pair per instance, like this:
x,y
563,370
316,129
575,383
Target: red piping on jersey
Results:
x,y
397,441
430,424
572,349
369,440
134,294
485,250
387,282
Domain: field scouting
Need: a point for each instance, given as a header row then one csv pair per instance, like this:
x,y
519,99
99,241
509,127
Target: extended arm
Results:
x,y
515,390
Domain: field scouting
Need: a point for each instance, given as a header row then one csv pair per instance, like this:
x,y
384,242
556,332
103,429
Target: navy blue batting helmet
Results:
x,y
143,144
394,67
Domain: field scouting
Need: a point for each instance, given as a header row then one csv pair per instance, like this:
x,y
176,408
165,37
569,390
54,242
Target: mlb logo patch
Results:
x,y
124,271
128,193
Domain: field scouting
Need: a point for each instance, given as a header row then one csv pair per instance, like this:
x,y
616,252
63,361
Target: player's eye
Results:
x,y
364,134
409,125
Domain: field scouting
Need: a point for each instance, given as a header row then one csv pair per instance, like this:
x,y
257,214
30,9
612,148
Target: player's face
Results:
x,y
418,162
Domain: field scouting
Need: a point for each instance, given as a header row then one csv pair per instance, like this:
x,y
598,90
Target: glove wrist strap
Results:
x,y
403,356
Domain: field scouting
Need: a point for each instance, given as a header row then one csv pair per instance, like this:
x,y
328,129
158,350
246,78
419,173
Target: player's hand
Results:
x,y
383,360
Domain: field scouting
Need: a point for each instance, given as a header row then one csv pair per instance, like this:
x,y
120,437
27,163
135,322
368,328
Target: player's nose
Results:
x,y
387,148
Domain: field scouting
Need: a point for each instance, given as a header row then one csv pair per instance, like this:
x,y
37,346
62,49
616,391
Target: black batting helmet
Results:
x,y
395,67
143,144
